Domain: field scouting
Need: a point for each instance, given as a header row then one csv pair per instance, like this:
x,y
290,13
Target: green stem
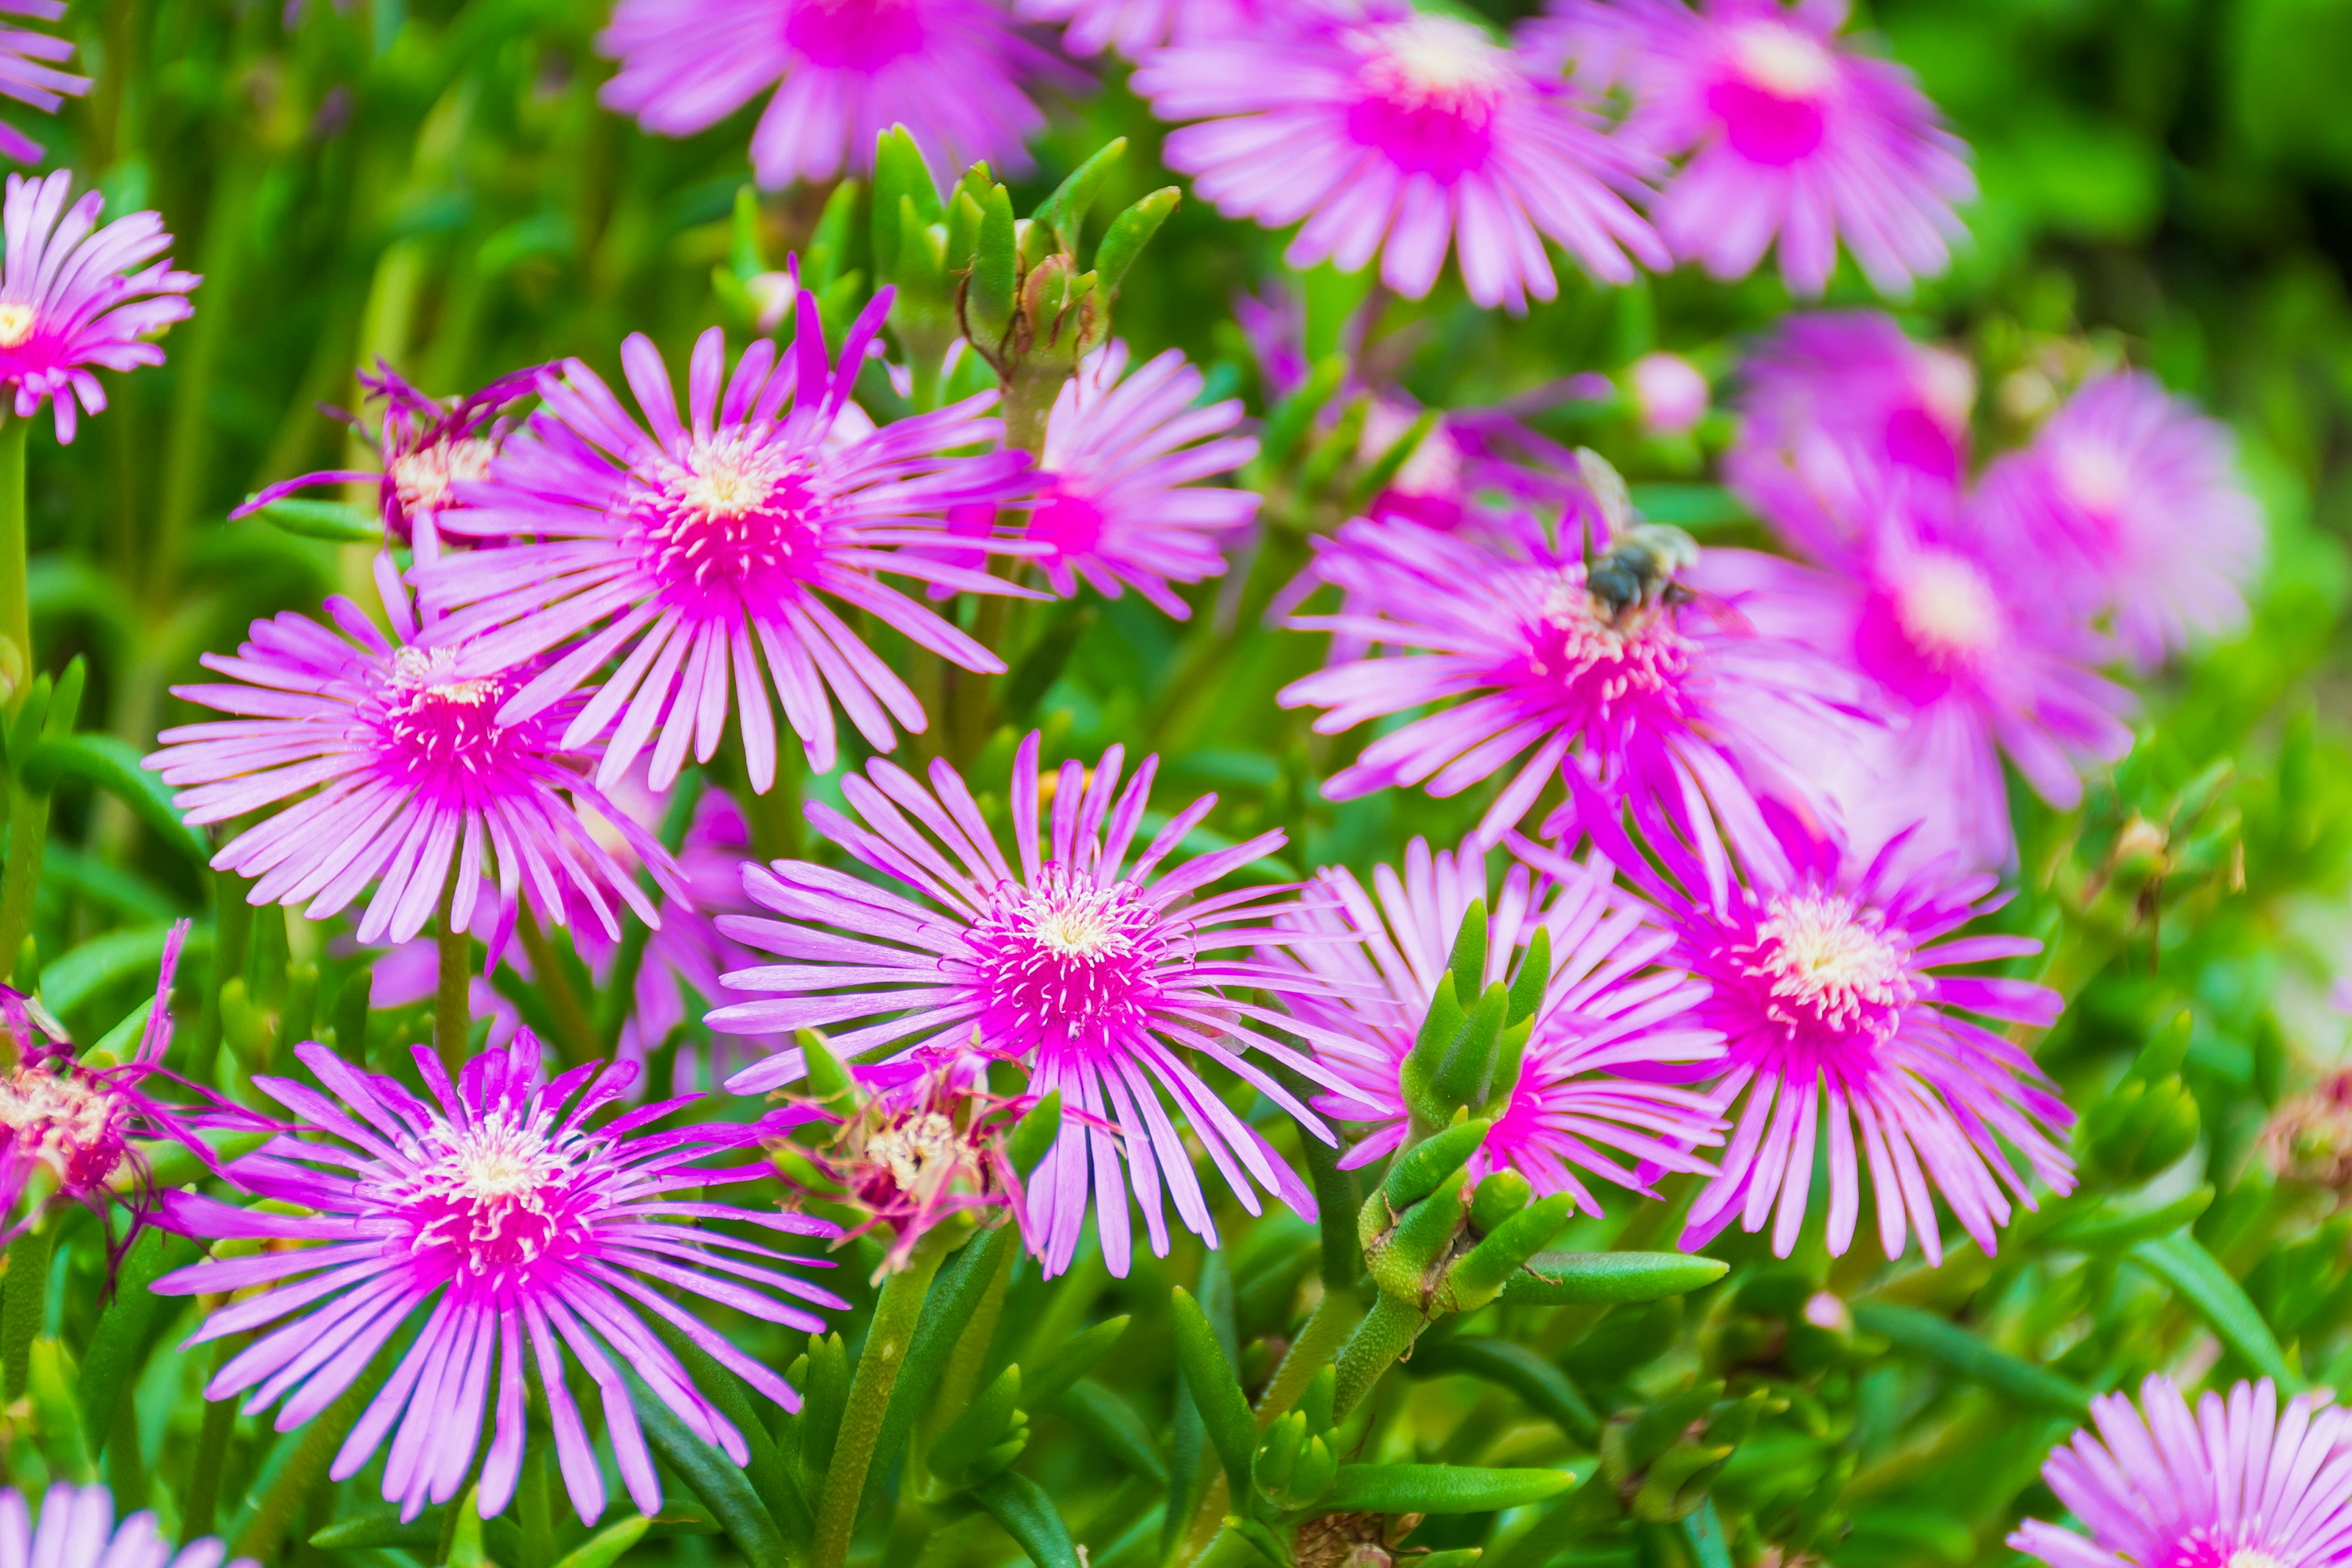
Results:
x,y
15,601
453,1011
896,1312
28,831
1334,1318
575,1032
24,1302
202,1504
1386,1333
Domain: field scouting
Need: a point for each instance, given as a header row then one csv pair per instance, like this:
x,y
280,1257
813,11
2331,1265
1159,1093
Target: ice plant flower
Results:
x,y
1399,132
688,547
1829,981
1792,133
77,1530
29,73
1683,705
401,772
2131,500
1093,971
1116,505
522,1226
844,71
427,448
1571,1115
1670,394
2240,1484
72,301
1131,28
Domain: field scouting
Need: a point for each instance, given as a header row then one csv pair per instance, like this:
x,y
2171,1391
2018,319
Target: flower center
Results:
x,y
1948,609
1428,89
424,479
489,1201
923,1144
1609,675
1063,961
1826,965
1773,100
2204,1549
73,1125
860,35
1071,524
734,513
16,325
440,726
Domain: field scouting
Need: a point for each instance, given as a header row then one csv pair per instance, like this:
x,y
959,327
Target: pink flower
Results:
x,y
522,1229
1791,135
1610,1009
1118,504
2130,501
403,772
1133,28
844,71
1683,706
1827,985
77,1530
1401,132
29,73
687,549
1093,971
71,298
2240,1484
1670,394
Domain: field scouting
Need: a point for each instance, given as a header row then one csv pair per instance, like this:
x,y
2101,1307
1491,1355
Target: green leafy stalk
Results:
x,y
453,1011
15,599
896,1314
24,1296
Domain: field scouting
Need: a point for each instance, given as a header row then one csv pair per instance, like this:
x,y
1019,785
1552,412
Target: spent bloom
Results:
x,y
1683,705
697,550
522,1227
427,448
72,301
1609,1008
1829,982
844,71
401,771
2129,501
1792,132
29,73
1094,971
2239,1484
1116,503
77,1530
1397,134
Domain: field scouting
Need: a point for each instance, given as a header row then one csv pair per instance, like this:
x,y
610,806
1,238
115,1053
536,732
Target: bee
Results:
x,y
1636,573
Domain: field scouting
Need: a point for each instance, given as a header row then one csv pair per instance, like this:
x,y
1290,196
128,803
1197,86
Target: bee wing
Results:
x,y
1609,492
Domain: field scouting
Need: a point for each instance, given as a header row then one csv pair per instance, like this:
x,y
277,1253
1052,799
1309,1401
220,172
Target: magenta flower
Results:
x,y
1401,132
77,1530
844,71
1131,28
426,447
1828,985
71,298
1610,1009
2131,500
1791,136
1118,504
29,73
520,1226
1670,395
688,546
1093,971
2239,1485
1683,706
405,773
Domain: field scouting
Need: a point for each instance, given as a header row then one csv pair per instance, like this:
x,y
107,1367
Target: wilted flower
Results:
x,y
30,73
2129,503
524,1227
77,1530
1609,1009
1399,132
2240,1484
71,300
1827,982
844,71
407,774
1093,972
1792,135
684,547
2309,1137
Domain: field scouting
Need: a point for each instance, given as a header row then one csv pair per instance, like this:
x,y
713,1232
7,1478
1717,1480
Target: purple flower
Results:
x,y
1133,28
77,1530
427,448
844,71
1791,135
29,73
1683,706
2130,501
1093,971
1116,504
2239,1485
407,774
522,1229
1609,1008
690,546
1401,132
1670,394
71,298
1827,985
